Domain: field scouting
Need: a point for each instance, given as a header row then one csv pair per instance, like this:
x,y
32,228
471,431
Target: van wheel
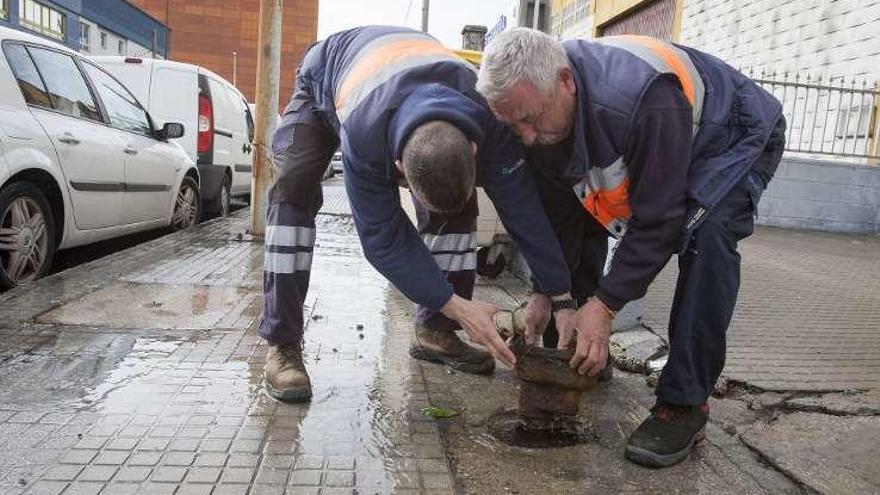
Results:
x,y
186,206
27,234
225,198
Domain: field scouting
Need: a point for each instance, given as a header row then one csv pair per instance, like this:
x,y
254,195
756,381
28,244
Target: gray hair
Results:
x,y
520,54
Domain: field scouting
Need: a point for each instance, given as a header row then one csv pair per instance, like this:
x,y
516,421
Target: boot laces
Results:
x,y
291,354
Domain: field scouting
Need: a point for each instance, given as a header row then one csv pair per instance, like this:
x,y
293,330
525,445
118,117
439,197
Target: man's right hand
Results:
x,y
477,319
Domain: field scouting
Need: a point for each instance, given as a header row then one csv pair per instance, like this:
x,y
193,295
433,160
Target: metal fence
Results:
x,y
832,117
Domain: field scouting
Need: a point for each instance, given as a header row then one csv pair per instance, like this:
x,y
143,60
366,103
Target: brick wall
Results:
x,y
206,32
820,37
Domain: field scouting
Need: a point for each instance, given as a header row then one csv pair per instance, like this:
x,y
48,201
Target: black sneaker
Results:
x,y
668,435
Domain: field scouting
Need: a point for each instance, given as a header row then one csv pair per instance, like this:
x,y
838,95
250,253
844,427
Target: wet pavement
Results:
x,y
140,372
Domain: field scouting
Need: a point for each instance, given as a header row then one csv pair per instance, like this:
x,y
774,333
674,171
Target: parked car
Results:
x,y
335,164
202,100
80,159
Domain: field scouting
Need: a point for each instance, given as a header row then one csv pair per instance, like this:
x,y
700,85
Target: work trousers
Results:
x,y
302,148
709,269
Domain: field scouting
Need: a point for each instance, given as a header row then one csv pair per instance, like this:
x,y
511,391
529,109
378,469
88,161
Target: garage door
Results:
x,y
653,19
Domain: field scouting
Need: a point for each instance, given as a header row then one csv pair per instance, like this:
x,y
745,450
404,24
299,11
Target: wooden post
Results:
x,y
268,80
874,141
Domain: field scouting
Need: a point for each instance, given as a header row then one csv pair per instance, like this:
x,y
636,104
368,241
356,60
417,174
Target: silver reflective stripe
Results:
x,y
373,45
607,178
363,89
283,235
699,88
450,242
660,65
456,262
287,262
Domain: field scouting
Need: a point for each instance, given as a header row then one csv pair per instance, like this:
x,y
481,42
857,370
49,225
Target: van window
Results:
x,y
123,109
220,103
67,88
250,121
28,78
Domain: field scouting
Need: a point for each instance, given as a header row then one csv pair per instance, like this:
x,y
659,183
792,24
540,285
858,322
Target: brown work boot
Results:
x,y
285,374
442,346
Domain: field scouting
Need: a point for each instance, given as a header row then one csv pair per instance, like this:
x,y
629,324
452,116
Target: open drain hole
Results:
x,y
560,431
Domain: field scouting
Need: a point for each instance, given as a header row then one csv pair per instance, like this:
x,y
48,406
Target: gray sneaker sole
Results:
x,y
652,459
481,368
289,395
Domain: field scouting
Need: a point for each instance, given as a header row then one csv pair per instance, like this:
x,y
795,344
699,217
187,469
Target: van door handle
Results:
x,y
131,151
67,138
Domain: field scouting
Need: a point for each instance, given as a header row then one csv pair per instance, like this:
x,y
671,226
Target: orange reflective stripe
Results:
x,y
383,56
608,205
672,60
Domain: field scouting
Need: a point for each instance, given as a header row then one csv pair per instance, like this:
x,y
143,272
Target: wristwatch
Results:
x,y
563,304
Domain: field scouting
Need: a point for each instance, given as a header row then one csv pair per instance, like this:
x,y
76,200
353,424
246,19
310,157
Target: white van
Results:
x,y
204,101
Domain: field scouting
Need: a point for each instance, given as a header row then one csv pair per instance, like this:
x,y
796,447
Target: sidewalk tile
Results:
x,y
203,475
305,478
97,473
63,472
84,488
47,488
112,457
81,457
170,474
132,474
237,475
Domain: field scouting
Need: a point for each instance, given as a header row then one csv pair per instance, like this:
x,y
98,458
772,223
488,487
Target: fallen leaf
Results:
x,y
439,412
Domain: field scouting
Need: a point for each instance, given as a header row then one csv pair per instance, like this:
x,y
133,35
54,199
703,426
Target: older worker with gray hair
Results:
x,y
667,149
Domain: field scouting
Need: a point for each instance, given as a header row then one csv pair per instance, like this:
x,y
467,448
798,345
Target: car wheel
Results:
x,y
27,234
487,269
186,205
225,198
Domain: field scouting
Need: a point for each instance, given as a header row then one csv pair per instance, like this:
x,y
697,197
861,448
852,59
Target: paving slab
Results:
x,y
851,404
635,349
807,313
828,454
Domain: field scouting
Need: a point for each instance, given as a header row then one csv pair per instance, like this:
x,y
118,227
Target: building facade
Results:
x,y
93,27
570,19
222,37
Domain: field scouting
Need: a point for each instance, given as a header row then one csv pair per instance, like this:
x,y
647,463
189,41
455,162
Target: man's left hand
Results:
x,y
537,317
593,327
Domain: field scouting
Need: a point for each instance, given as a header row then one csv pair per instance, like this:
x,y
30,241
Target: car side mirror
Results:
x,y
171,130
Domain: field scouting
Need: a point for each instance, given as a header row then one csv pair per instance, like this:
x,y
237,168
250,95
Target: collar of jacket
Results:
x,y
580,157
433,102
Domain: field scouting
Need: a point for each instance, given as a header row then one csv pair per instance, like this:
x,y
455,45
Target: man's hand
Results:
x,y
593,327
565,322
476,318
537,317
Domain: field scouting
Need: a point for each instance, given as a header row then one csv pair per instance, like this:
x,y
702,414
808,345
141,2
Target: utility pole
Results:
x,y
426,7
268,75
234,68
536,14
